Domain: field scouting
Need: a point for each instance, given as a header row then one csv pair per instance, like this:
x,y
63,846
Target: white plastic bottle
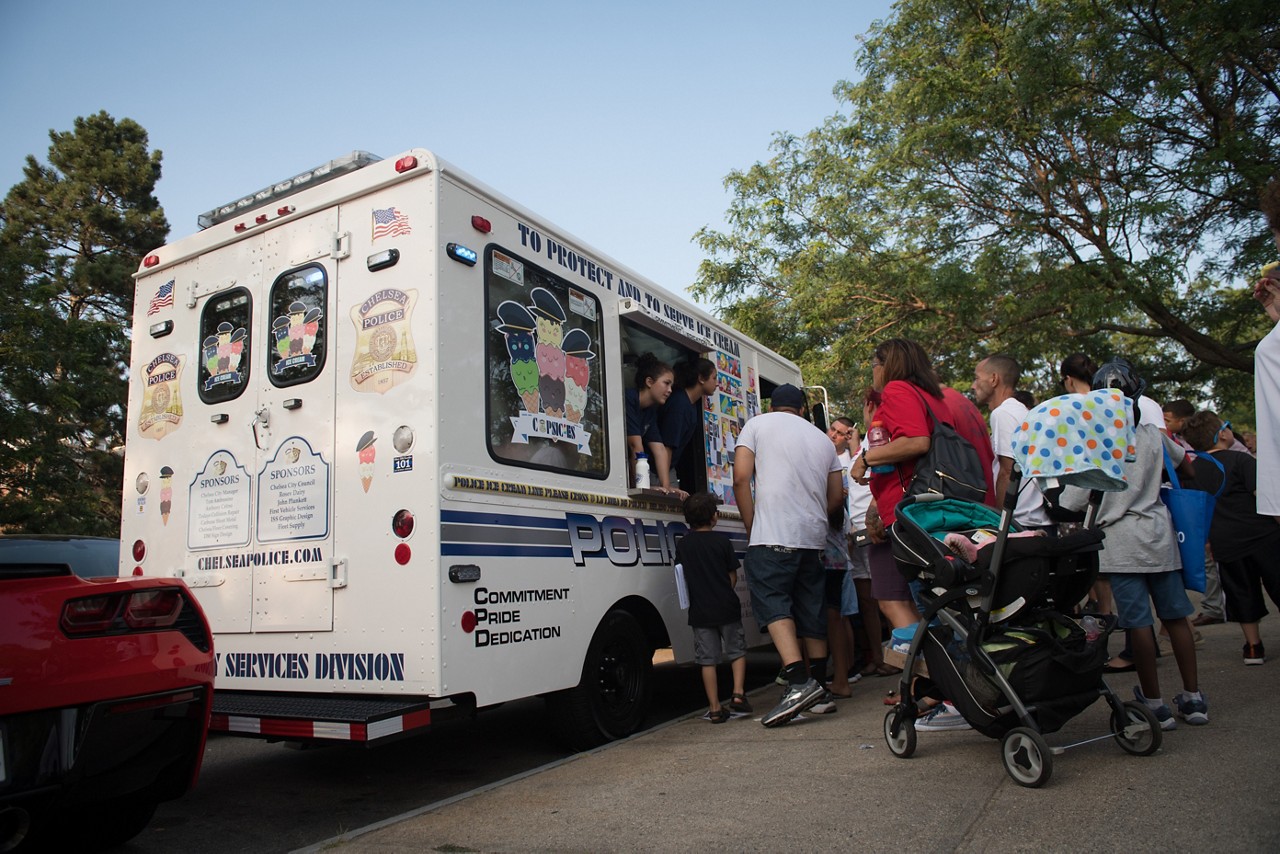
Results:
x,y
642,471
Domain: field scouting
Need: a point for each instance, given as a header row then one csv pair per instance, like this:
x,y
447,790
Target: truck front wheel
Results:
x,y
612,699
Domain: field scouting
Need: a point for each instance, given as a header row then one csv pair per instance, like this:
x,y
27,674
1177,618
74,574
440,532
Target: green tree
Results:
x,y
71,235
1032,176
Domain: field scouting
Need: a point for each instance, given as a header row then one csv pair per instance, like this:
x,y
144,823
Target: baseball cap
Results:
x,y
787,396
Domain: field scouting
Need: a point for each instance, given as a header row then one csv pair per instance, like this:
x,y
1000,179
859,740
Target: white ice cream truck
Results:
x,y
376,424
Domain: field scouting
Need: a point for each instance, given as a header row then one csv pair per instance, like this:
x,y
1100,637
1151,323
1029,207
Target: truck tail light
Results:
x,y
139,551
404,164
402,527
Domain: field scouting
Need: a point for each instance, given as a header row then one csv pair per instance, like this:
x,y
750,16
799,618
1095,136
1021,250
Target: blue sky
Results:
x,y
616,121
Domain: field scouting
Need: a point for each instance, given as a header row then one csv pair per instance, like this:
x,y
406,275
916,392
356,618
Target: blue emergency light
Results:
x,y
461,254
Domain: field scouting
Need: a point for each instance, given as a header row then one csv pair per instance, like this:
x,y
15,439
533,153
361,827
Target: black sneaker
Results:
x,y
796,700
1254,653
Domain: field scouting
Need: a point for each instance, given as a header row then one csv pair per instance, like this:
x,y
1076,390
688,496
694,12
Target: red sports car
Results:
x,y
105,690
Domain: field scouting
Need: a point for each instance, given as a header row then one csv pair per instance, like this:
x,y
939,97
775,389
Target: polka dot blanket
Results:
x,y
1080,439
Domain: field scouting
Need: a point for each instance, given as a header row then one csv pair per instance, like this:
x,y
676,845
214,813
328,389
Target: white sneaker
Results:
x,y
943,716
826,704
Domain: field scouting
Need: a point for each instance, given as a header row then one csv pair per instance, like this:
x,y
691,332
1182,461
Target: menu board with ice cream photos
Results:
x,y
723,415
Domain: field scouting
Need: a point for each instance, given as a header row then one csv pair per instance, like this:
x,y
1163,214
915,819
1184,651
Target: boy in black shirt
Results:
x,y
1245,544
715,613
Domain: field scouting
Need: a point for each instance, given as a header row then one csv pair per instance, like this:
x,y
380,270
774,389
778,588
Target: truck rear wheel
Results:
x,y
612,699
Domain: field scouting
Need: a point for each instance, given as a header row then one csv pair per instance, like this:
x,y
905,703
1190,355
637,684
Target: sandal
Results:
x,y
891,699
883,669
738,704
1126,667
719,716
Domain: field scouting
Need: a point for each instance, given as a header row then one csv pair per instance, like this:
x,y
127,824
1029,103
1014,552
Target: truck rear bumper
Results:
x,y
310,717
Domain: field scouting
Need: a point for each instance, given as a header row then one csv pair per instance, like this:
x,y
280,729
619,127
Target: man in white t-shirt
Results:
x,y
798,484
1266,368
995,379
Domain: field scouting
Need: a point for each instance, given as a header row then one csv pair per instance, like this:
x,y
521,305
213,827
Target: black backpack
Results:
x,y
951,467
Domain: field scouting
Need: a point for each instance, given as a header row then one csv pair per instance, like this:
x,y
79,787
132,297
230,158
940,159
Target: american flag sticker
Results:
x,y
162,299
389,222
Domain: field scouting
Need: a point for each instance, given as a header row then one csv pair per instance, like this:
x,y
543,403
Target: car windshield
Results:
x,y
88,557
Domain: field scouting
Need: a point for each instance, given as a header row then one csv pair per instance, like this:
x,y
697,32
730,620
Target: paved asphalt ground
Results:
x,y
826,783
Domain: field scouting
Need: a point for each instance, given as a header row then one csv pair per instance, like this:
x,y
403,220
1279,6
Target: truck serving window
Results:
x,y
224,346
298,322
544,359
689,466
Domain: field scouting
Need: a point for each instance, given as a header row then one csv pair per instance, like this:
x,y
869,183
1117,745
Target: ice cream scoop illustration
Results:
x,y
550,317
517,327
366,453
166,493
577,352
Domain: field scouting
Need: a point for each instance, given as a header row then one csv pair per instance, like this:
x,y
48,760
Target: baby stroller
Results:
x,y
993,635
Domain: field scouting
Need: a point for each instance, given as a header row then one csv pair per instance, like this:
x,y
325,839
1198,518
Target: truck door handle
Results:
x,y
261,418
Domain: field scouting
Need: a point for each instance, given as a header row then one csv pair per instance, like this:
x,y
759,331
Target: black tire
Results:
x,y
905,744
1138,741
612,700
1027,757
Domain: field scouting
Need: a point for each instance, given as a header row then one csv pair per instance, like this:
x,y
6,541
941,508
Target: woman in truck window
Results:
x,y
695,378
654,382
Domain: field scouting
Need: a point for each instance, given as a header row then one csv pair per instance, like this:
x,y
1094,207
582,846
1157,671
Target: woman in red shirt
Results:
x,y
903,374
900,371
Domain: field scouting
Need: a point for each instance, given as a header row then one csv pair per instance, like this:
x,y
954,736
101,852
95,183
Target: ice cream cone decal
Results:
x,y
550,318
517,328
166,493
366,452
577,350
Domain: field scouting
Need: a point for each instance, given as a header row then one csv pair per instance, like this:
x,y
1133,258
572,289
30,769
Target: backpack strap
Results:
x,y
929,406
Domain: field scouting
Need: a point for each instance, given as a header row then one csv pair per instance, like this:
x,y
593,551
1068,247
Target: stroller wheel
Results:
x,y
1138,732
904,744
1027,757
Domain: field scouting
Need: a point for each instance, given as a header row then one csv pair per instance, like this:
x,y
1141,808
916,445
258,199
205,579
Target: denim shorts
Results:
x,y
714,645
787,584
1132,590
848,596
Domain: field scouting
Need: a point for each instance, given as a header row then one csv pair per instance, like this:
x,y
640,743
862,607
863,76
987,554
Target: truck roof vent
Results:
x,y
325,172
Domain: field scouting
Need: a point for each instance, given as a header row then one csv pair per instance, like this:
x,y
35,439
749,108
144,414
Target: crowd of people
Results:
x,y
821,572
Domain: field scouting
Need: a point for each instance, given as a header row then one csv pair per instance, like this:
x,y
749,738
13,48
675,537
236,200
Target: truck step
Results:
x,y
322,717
